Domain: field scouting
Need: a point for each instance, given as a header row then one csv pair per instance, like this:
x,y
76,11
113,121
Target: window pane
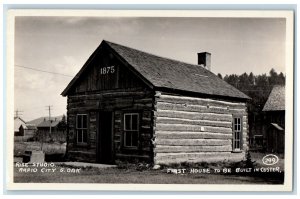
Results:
x,y
134,138
127,138
134,122
127,122
84,121
79,135
236,135
79,122
84,135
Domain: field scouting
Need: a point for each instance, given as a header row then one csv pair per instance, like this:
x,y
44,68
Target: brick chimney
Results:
x,y
204,60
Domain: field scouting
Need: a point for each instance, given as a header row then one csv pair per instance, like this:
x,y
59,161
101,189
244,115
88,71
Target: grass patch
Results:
x,y
142,173
48,148
133,174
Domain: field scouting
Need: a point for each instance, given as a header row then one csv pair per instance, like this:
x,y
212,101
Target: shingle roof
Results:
x,y
171,74
276,100
31,126
47,124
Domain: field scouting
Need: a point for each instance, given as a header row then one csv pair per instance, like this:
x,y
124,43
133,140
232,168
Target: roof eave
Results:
x,y
165,89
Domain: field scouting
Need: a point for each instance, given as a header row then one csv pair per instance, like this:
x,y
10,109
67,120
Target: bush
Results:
x,y
249,163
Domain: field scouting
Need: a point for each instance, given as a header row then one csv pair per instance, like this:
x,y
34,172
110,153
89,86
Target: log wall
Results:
x,y
190,129
119,102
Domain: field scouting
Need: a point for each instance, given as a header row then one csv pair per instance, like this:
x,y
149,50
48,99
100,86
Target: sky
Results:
x,y
63,44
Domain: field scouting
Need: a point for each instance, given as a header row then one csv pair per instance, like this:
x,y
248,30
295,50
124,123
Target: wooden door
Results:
x,y
105,153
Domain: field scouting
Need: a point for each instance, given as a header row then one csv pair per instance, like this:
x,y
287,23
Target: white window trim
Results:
x,y
125,130
81,128
234,149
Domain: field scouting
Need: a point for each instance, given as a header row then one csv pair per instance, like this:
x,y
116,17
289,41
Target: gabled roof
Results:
x,y
47,124
276,100
169,74
31,126
17,123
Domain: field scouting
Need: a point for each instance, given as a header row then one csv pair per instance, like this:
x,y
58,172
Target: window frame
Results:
x,y
126,130
82,129
237,130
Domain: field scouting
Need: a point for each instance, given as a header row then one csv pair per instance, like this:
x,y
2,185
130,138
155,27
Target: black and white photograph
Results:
x,y
150,100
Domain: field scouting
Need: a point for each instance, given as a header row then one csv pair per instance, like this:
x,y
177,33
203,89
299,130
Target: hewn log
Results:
x,y
174,149
120,155
145,136
122,93
146,119
198,108
146,122
192,142
79,102
111,107
197,128
168,158
81,109
198,101
191,155
194,115
97,104
167,120
191,135
146,149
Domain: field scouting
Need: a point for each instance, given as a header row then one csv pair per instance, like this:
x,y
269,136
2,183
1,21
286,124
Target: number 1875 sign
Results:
x,y
107,70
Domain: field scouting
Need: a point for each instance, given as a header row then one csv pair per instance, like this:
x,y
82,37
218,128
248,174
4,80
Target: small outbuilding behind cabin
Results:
x,y
275,120
57,134
23,131
125,104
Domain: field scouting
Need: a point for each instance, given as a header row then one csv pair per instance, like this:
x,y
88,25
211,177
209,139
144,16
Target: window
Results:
x,y
81,128
131,129
237,133
258,140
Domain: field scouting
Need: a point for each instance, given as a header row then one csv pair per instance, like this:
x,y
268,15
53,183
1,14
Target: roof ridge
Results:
x,y
196,65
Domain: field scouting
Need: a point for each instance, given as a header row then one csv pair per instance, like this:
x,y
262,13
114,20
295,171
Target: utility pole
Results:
x,y
18,113
49,108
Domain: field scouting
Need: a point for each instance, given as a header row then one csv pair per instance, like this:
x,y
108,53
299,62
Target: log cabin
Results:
x,y
129,105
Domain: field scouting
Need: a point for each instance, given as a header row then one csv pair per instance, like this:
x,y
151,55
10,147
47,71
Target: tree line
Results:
x,y
258,87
